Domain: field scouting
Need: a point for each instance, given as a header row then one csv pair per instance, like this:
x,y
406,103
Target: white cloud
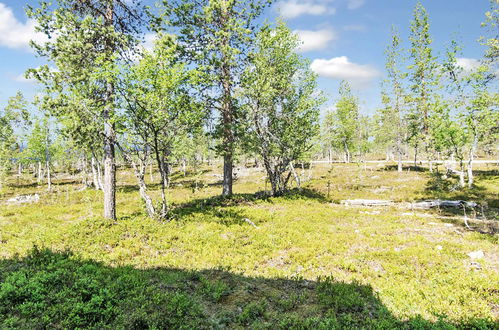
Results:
x,y
354,4
148,43
15,34
359,75
468,64
22,79
294,8
314,40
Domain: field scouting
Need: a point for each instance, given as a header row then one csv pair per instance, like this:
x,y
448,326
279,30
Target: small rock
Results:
x,y
448,225
357,231
24,199
476,254
476,265
438,247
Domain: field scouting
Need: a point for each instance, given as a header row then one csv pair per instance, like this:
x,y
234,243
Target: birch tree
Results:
x,y
392,126
160,109
347,120
283,103
424,79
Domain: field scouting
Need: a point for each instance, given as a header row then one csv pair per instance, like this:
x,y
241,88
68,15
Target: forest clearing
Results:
x,y
249,164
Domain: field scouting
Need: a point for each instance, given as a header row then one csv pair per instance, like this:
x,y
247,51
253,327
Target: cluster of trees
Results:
x,y
432,106
215,80
219,83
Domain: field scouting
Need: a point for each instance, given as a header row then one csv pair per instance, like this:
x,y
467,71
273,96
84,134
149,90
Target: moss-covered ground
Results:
x,y
310,263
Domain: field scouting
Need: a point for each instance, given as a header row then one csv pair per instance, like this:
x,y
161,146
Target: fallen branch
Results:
x,y
367,202
439,203
251,223
428,204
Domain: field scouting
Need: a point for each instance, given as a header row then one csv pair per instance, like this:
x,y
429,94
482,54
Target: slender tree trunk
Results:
x,y
49,178
415,156
39,175
151,177
109,138
461,175
399,154
164,171
100,174
140,174
227,114
297,178
140,171
347,152
470,171
227,179
47,159
85,172
95,174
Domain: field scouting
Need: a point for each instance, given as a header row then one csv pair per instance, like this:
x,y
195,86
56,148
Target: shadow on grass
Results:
x,y
448,188
58,290
222,208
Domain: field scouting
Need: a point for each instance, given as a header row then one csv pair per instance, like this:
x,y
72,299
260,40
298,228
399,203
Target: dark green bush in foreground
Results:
x,y
57,290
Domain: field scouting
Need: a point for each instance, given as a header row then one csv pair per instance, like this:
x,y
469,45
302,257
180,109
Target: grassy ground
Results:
x,y
311,263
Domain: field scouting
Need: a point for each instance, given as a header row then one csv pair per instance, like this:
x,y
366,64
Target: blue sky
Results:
x,y
344,39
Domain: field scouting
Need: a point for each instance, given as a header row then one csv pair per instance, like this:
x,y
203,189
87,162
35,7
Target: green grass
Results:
x,y
311,263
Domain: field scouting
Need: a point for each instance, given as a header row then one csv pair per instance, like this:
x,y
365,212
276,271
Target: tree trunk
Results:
x,y
461,175
109,139
297,178
470,169
95,179
399,160
49,179
470,172
415,156
227,111
139,174
39,175
347,152
151,177
227,180
164,171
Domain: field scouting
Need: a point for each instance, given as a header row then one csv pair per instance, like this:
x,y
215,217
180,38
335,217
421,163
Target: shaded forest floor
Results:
x,y
311,262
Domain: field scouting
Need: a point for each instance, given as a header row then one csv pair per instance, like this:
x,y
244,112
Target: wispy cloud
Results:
x,y
294,8
468,64
15,34
315,40
354,4
359,75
